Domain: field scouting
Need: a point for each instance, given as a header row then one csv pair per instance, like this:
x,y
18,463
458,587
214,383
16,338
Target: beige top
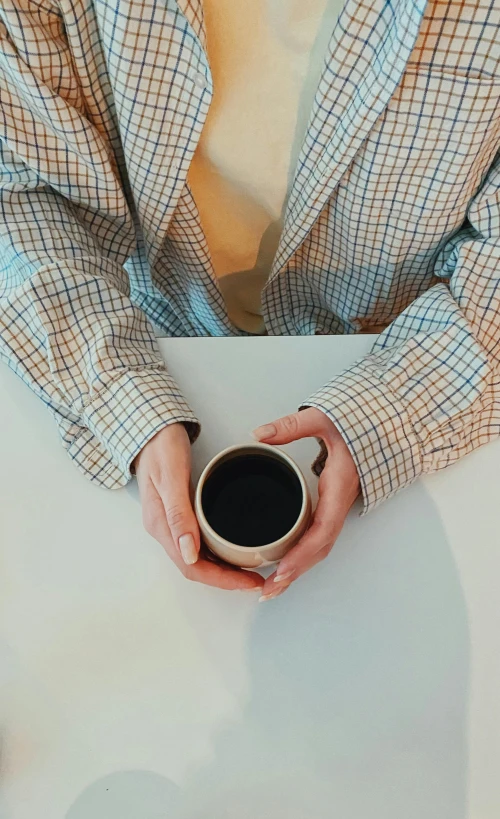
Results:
x,y
266,58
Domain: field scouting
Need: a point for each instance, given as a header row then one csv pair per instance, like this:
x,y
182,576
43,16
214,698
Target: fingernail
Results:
x,y
264,432
265,597
280,577
253,590
188,549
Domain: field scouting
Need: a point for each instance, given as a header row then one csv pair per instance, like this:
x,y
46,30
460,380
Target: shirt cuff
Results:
x,y
120,421
375,426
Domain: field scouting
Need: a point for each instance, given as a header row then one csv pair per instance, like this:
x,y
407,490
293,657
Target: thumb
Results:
x,y
181,519
305,424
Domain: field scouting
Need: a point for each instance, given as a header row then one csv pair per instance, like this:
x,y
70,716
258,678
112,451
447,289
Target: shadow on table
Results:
x,y
359,679
127,795
358,694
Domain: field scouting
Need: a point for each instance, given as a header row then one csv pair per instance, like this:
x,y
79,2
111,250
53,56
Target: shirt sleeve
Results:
x,y
67,325
429,392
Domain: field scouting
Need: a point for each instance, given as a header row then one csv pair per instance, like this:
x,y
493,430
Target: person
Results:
x,y
219,167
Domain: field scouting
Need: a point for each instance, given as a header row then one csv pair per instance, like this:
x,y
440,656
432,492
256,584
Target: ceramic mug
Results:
x,y
252,557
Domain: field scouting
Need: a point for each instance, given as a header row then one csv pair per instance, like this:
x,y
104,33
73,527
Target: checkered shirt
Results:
x,y
392,225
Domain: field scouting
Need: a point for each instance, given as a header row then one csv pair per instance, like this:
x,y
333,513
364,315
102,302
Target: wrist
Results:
x,y
174,432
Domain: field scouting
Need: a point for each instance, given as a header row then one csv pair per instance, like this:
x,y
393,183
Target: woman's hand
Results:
x,y
338,489
163,469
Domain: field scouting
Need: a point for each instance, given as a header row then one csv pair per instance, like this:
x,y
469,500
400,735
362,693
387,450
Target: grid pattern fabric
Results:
x,y
392,225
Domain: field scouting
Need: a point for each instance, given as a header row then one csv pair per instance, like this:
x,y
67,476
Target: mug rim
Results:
x,y
266,448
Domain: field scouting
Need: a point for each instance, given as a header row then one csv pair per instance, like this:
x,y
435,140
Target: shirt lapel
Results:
x,y
193,12
162,88
366,58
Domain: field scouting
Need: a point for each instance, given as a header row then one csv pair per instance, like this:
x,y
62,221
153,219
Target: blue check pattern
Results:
x,y
392,225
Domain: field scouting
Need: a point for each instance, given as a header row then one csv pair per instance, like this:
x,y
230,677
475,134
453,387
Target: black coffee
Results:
x,y
252,500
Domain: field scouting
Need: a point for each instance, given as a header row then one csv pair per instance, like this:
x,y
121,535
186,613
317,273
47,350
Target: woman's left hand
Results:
x,y
339,487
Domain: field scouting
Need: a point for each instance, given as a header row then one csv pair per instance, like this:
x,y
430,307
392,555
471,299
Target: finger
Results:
x,y
327,522
321,536
309,423
203,571
274,587
207,556
272,594
223,577
174,493
155,521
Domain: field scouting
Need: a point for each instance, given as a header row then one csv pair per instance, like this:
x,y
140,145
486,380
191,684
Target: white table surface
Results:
x,y
369,691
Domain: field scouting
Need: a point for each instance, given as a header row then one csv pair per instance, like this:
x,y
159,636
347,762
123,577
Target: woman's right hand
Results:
x,y
163,469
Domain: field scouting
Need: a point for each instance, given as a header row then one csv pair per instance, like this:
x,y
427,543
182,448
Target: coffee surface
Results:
x,y
252,500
